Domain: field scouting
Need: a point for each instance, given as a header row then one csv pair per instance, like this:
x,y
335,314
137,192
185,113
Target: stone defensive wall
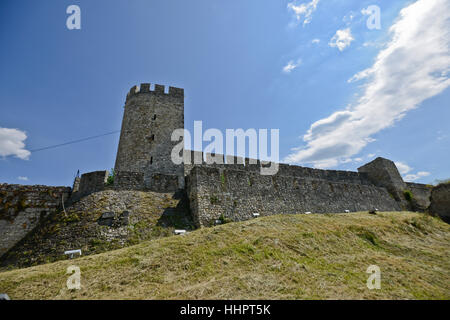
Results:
x,y
22,207
89,183
126,180
421,194
440,201
93,182
158,182
253,165
216,193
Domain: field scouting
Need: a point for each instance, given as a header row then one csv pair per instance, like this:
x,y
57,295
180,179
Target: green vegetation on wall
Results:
x,y
408,195
110,180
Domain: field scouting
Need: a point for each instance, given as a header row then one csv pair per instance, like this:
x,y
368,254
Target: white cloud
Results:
x,y
12,143
347,160
291,66
417,176
315,41
304,10
441,136
413,67
342,39
371,155
22,178
326,163
403,168
370,44
360,75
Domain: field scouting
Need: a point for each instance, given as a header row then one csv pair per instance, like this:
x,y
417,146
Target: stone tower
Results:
x,y
143,158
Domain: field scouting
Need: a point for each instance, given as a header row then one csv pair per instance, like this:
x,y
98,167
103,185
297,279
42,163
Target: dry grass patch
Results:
x,y
277,257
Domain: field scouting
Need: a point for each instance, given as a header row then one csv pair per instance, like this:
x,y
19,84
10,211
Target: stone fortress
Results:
x,y
231,189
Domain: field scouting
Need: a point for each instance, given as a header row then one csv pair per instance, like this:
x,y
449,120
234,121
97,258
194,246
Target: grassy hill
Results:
x,y
277,257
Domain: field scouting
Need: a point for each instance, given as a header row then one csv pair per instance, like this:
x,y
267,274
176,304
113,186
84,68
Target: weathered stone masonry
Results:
x,y
237,194
22,207
422,195
145,144
440,201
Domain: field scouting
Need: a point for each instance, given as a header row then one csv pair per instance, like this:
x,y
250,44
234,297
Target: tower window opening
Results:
x,y
151,160
154,117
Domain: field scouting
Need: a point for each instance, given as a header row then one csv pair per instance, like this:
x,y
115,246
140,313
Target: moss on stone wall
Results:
x,y
11,207
150,215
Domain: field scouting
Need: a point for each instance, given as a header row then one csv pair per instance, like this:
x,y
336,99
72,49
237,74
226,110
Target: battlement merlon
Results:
x,y
159,90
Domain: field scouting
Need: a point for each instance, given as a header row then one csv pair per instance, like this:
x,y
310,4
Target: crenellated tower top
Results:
x,y
146,88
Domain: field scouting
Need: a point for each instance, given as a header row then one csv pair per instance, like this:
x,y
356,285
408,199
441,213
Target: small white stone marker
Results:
x,y
307,212
4,296
347,211
255,215
71,253
180,232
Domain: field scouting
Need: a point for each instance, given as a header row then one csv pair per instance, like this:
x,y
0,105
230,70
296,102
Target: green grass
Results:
x,y
277,257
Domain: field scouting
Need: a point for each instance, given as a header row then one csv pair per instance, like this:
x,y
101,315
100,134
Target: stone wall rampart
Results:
x,y
22,207
237,194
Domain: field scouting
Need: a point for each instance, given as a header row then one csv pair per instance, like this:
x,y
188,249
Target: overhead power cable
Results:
x,y
74,141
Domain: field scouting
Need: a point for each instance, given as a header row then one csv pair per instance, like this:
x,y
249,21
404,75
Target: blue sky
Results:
x,y
289,65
